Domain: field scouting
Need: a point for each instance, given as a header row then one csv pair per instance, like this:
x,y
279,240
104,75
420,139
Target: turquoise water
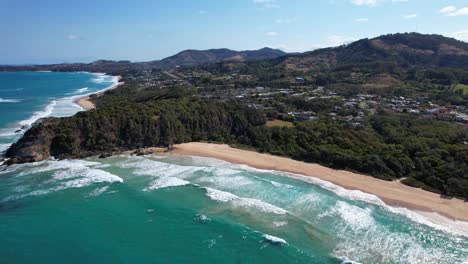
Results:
x,y
181,209
28,96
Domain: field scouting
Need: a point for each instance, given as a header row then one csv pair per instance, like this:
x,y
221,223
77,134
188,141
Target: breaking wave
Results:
x,y
2,100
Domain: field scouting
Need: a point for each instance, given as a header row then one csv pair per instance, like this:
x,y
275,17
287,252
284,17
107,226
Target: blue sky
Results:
x,y
51,31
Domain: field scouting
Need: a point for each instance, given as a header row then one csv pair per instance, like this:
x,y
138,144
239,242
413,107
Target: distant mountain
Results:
x,y
197,57
410,49
184,58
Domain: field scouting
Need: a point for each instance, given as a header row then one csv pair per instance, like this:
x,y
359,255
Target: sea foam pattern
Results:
x,y
355,218
49,176
285,212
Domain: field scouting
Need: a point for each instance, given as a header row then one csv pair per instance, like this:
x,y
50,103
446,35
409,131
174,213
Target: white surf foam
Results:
x,y
98,191
166,182
61,107
237,201
39,114
79,91
145,166
443,224
355,217
21,126
279,223
99,78
2,100
221,196
62,175
3,148
274,239
435,221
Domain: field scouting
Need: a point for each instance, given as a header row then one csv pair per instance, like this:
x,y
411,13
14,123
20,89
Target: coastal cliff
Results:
x,y
130,126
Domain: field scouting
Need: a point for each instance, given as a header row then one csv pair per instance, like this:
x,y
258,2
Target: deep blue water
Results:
x,y
28,96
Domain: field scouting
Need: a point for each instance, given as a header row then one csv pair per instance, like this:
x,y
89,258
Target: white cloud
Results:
x,y
272,34
331,41
361,20
454,11
459,12
460,35
72,37
365,2
447,9
337,40
374,2
202,12
410,16
266,4
286,20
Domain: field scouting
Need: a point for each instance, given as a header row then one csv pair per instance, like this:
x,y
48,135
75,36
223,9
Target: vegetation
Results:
x,y
425,153
279,123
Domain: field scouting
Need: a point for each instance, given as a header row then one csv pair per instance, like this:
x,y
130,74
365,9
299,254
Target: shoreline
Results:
x,y
394,193
85,101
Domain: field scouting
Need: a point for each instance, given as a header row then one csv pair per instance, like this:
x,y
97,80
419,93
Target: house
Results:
x,y
300,80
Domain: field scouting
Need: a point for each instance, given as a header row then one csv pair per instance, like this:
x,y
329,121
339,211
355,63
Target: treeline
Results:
x,y
130,125
431,155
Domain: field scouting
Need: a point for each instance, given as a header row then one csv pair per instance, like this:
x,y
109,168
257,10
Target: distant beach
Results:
x,y
392,193
85,102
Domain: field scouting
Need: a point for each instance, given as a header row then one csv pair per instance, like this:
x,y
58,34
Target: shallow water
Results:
x,y
180,209
198,210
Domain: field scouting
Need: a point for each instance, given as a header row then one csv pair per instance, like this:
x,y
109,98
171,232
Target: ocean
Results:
x,y
183,209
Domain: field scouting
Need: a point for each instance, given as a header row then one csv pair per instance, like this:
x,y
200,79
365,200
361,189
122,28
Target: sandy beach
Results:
x,y
85,101
392,193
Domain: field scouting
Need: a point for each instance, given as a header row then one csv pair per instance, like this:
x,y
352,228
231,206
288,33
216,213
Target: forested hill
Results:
x,y
409,49
198,57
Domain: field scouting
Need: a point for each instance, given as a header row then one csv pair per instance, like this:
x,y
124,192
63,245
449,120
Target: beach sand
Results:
x,y
85,101
392,193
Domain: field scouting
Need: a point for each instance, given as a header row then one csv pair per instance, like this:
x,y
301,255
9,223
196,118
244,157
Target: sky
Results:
x,y
55,31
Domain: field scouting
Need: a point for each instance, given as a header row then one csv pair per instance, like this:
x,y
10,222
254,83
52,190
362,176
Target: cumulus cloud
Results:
x,y
454,11
448,9
459,12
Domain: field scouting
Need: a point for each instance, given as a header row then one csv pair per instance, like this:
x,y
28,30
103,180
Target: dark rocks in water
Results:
x,y
171,148
17,131
105,155
148,151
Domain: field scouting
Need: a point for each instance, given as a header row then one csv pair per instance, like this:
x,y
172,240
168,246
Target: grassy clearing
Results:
x,y
461,87
279,123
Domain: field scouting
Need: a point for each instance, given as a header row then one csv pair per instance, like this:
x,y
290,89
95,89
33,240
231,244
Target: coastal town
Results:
x,y
276,102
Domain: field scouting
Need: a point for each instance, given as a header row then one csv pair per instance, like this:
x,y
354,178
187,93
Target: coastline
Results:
x,y
394,193
85,102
